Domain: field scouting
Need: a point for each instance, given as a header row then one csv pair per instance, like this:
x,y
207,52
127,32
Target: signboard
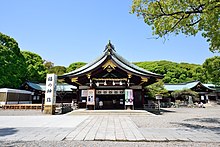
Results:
x,y
110,92
84,93
159,97
91,97
129,98
50,93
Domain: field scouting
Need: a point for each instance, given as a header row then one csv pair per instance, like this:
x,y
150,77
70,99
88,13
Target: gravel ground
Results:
x,y
105,143
197,118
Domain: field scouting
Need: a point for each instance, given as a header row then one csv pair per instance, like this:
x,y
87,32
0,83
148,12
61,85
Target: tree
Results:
x,y
58,70
184,94
74,66
12,63
36,70
185,16
175,72
212,68
157,88
48,64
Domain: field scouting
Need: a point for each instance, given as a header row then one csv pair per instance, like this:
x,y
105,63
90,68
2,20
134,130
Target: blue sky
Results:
x,y
68,31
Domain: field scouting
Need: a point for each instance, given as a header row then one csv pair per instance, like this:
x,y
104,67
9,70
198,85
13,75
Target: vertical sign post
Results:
x,y
158,97
50,94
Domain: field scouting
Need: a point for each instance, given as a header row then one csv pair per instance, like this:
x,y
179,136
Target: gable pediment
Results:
x,y
109,66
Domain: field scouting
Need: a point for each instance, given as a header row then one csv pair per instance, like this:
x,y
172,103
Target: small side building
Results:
x,y
65,93
204,90
15,96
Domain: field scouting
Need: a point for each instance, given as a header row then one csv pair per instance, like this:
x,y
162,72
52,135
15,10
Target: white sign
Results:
x,y
129,98
91,97
109,92
159,97
84,93
50,93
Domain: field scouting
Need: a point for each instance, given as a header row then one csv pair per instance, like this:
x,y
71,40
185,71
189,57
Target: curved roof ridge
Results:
x,y
42,86
85,66
110,52
186,85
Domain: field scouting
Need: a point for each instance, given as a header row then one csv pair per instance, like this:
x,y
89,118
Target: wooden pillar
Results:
x,y
78,94
142,95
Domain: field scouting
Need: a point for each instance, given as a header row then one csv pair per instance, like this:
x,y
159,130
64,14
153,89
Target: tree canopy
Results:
x,y
48,64
58,70
185,16
157,88
12,63
74,66
184,94
212,68
36,70
175,72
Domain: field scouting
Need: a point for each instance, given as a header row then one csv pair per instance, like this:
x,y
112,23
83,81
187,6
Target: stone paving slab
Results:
x,y
92,128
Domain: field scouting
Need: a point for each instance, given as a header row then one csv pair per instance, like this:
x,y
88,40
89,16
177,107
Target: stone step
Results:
x,y
109,112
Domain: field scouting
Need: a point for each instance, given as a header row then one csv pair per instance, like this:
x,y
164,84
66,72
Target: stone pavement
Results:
x,y
92,127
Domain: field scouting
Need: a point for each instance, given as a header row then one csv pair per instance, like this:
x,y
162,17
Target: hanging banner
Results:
x,y
129,97
50,93
91,97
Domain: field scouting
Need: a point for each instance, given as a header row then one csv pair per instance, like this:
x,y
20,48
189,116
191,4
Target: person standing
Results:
x,y
100,104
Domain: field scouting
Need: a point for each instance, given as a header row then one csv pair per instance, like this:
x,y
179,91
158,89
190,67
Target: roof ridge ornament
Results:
x,y
109,48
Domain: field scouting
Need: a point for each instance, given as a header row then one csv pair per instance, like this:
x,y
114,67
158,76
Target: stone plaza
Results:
x,y
176,126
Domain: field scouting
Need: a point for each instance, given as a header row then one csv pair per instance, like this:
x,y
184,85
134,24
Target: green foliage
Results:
x,y
58,70
36,70
175,72
185,16
157,88
12,63
74,66
185,93
212,67
48,65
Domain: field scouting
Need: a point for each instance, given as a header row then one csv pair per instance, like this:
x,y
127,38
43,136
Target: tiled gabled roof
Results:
x,y
110,52
181,86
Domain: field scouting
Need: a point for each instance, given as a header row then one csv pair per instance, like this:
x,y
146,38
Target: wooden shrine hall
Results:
x,y
110,82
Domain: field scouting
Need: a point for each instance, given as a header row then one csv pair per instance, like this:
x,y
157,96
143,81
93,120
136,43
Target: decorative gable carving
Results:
x,y
109,66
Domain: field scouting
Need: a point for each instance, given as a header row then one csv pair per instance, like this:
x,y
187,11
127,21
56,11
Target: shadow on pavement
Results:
x,y
206,120
159,112
7,131
209,124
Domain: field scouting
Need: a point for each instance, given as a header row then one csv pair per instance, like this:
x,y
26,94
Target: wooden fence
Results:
x,y
22,106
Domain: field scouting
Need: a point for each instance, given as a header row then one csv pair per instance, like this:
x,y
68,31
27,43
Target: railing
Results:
x,y
22,106
150,106
67,107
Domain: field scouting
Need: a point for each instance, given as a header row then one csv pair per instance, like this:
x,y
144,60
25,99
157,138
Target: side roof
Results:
x,y
42,86
9,90
119,60
188,85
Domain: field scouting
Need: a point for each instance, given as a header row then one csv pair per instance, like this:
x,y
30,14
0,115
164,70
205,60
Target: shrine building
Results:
x,y
110,82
